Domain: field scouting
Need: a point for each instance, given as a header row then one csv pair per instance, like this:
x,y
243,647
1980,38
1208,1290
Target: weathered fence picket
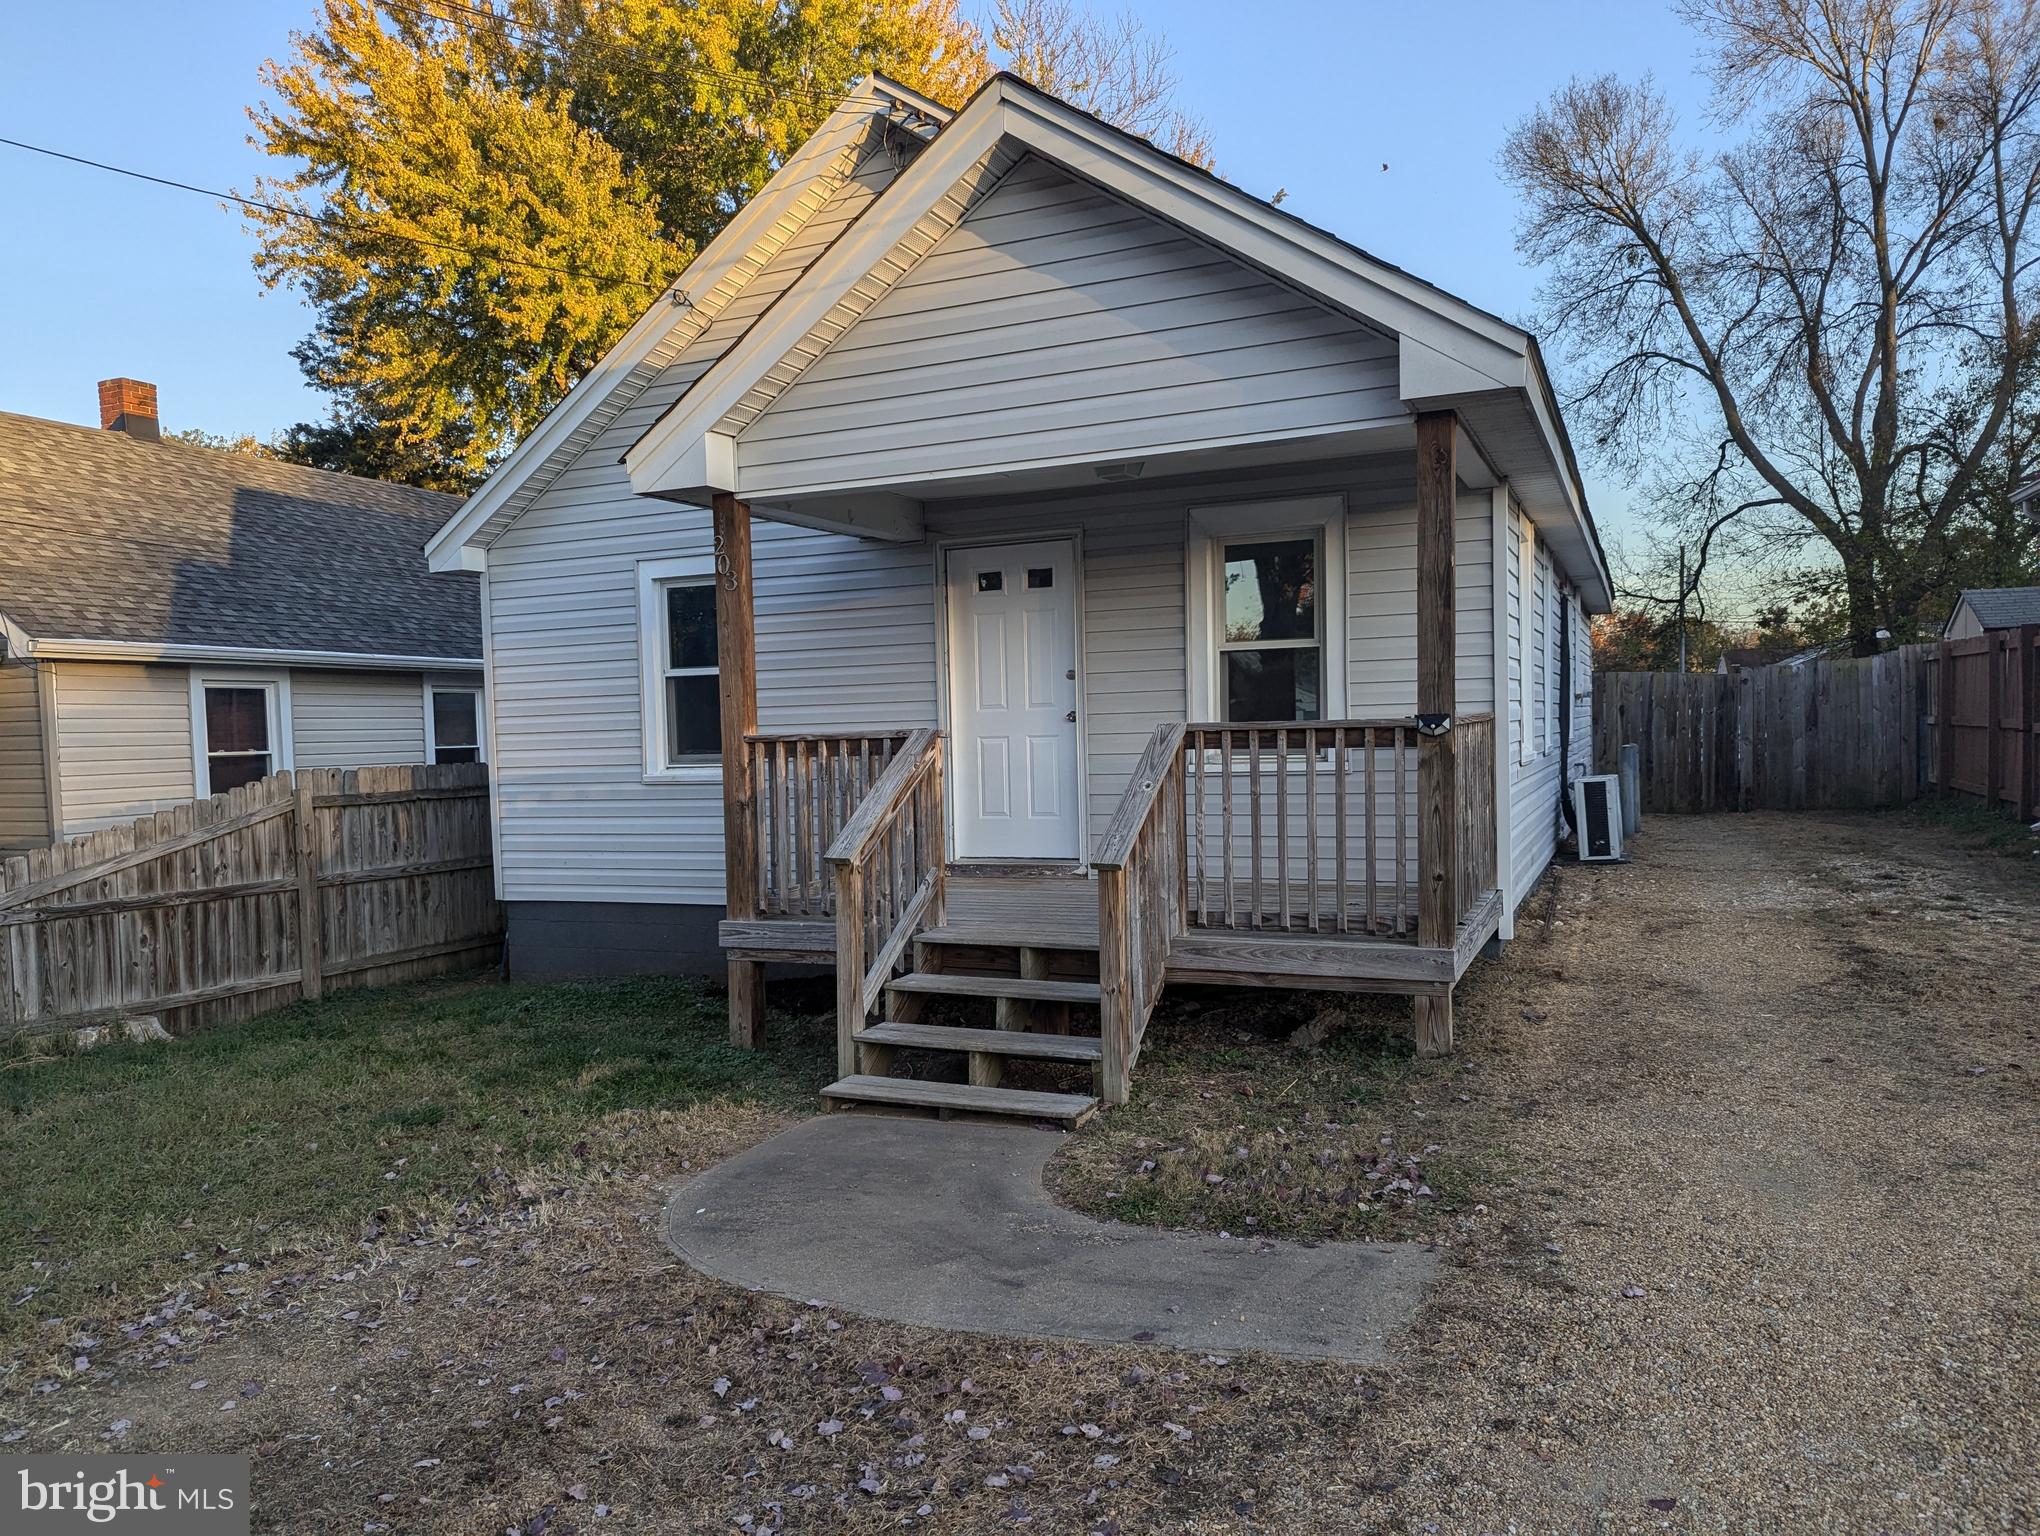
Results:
x,y
224,908
1881,730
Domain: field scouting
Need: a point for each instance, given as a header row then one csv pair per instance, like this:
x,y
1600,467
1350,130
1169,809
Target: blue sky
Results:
x,y
100,275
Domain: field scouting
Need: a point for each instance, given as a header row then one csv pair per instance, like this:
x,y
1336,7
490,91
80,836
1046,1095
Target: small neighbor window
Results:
x,y
238,748
240,728
454,716
692,701
1270,631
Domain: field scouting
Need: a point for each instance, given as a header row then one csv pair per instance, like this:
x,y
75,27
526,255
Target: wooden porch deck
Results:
x,y
1059,912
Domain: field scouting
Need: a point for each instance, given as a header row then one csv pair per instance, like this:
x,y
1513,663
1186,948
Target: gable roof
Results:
x,y
1450,353
2001,607
176,550
875,110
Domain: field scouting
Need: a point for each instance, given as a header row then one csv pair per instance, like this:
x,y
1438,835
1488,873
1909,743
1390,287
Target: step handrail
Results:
x,y
890,868
1140,863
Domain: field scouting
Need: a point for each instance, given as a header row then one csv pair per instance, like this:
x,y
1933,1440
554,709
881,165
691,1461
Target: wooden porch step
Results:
x,y
996,986
992,1042
1067,1109
1008,936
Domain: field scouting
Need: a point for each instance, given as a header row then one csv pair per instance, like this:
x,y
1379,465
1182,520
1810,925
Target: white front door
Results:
x,y
1013,700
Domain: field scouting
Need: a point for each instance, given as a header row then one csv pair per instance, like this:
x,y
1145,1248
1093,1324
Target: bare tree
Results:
x,y
1114,66
1813,340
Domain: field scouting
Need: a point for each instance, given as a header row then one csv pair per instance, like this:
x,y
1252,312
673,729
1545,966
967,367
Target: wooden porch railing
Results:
x,y
807,789
1475,750
1327,814
1142,903
888,868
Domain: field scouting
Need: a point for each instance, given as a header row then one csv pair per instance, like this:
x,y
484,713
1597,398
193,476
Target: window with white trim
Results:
x,y
1267,611
1271,642
682,675
453,724
240,729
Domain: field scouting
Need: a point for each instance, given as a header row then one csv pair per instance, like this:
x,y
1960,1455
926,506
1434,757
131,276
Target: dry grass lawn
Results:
x,y
1733,1176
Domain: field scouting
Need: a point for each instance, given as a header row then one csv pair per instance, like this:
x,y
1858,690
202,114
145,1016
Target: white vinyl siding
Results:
x,y
1057,324
24,784
358,719
1538,691
123,741
845,641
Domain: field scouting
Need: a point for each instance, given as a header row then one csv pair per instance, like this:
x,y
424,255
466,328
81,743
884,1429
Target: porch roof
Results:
x,y
1448,353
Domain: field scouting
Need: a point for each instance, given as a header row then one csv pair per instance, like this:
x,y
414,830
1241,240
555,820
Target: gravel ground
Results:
x,y
1748,1243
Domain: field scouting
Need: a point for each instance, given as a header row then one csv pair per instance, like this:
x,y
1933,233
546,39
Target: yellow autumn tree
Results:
x,y
483,195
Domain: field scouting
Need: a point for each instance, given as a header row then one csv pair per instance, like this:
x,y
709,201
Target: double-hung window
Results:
x,y
1271,644
1267,610
453,722
240,729
682,685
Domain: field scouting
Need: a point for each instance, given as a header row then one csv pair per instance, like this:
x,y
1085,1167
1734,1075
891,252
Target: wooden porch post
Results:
x,y
1437,677
737,662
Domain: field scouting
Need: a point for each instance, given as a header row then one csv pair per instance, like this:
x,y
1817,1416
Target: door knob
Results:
x,y
1071,717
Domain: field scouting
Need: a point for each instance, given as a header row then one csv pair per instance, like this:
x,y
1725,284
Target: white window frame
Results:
x,y
481,719
276,685
1212,527
653,578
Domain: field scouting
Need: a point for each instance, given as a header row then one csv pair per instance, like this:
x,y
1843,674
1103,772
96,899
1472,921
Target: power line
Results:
x,y
332,221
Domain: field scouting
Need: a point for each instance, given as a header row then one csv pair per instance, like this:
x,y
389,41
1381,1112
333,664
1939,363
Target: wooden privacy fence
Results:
x,y
1986,722
1825,735
227,907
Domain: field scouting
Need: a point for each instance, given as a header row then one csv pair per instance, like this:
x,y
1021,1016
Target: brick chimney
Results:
x,y
129,405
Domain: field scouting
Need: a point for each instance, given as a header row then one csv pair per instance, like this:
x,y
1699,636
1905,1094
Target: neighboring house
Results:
x,y
1028,446
1983,609
177,621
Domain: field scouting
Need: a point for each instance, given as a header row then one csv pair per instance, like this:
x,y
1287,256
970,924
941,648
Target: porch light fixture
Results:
x,y
1128,469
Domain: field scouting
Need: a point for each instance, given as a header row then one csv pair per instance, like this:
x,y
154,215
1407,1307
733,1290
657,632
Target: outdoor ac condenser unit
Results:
x,y
1597,813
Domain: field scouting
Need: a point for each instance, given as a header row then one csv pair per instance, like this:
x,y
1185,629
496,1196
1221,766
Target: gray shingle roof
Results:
x,y
103,537
2003,607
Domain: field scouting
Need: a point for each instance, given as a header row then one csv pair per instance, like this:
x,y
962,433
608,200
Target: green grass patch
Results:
x,y
1968,823
134,1165
1279,1114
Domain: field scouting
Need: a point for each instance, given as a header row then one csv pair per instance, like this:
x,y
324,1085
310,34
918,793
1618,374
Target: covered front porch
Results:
x,y
1350,853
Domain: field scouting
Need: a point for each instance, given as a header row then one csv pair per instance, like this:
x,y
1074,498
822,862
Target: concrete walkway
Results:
x,y
946,1224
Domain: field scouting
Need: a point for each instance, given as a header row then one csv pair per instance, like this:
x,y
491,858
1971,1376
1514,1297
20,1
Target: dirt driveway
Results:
x,y
1755,1250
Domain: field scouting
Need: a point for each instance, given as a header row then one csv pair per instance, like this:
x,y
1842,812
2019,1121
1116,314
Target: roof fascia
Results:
x,y
453,547
1482,353
82,648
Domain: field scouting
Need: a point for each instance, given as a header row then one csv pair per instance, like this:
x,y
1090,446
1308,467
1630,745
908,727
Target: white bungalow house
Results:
x,y
176,621
1018,567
